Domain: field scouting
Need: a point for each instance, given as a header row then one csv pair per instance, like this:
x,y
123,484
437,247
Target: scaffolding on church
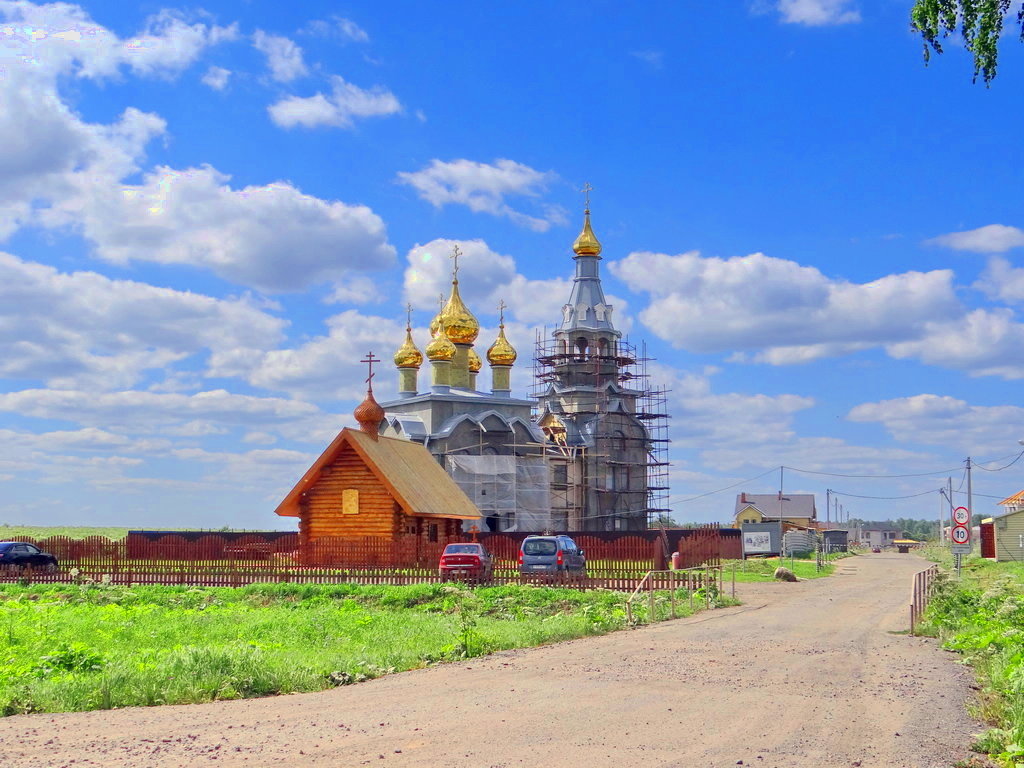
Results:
x,y
626,365
512,491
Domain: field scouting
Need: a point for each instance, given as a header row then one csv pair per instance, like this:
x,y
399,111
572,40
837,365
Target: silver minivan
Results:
x,y
550,554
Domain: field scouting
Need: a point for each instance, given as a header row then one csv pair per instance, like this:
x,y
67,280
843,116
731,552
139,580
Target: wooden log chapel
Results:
x,y
367,487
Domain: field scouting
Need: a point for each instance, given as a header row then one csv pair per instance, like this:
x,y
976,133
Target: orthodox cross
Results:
x,y
370,360
440,300
501,311
408,317
586,191
455,257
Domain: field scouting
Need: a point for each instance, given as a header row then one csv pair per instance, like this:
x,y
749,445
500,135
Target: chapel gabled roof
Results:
x,y
408,471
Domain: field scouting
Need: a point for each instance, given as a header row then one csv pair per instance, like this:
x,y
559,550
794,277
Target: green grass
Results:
x,y
762,569
84,647
981,616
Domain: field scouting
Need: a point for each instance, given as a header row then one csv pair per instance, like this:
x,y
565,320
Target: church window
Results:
x,y
602,347
581,348
561,474
350,501
432,532
618,443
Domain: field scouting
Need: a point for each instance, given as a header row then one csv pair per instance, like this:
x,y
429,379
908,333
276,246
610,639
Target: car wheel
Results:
x,y
50,568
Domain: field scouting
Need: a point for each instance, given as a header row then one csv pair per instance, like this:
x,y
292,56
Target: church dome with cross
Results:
x,y
460,325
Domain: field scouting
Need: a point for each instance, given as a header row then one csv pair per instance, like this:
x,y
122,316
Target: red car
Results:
x,y
466,561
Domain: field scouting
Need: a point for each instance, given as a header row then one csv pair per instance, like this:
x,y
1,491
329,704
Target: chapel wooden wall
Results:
x,y
321,507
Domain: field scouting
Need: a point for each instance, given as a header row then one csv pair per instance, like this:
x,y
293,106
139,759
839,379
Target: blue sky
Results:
x,y
208,214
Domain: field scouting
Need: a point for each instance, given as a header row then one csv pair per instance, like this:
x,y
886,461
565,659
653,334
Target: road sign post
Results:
x,y
960,535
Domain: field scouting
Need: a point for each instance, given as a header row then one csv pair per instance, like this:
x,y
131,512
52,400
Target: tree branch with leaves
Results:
x,y
979,23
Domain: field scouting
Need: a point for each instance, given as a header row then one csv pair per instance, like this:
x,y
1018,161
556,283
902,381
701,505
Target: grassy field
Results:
x,y
981,616
83,647
762,569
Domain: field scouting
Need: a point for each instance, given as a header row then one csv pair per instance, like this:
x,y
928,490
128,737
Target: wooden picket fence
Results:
x,y
615,560
921,593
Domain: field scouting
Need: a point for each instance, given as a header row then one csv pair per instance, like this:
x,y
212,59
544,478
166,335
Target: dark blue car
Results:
x,y
19,555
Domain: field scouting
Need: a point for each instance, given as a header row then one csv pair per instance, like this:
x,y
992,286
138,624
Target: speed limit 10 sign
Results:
x,y
961,516
960,535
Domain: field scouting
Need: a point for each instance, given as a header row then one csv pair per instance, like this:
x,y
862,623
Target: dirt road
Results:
x,y
802,675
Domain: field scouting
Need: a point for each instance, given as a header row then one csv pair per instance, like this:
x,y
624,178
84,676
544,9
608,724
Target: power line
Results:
x,y
720,490
911,496
839,474
978,466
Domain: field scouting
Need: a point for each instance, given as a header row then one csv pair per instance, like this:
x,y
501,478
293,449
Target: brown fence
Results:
x,y
615,560
921,593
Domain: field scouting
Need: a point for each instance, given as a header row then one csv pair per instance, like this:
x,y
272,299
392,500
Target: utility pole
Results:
x,y
970,510
970,496
828,506
949,498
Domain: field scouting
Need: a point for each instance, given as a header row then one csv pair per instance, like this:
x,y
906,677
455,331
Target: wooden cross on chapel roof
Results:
x,y
370,360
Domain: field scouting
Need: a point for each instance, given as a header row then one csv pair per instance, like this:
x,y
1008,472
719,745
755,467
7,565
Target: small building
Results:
x,y
372,491
834,540
794,509
1007,531
875,536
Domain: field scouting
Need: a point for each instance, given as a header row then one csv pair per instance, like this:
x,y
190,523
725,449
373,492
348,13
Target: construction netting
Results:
x,y
513,493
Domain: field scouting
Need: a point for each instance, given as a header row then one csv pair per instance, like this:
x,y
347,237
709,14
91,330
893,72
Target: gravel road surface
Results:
x,y
806,674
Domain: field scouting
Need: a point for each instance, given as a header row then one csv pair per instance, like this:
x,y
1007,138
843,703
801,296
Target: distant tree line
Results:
x,y
918,530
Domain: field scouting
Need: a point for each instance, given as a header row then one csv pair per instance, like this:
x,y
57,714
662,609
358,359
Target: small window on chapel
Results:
x,y
350,501
432,532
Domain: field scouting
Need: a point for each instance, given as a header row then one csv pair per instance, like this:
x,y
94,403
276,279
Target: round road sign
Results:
x,y
960,535
961,515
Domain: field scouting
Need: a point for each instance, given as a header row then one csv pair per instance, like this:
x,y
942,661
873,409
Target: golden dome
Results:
x,y
408,356
441,348
587,243
501,352
475,363
460,325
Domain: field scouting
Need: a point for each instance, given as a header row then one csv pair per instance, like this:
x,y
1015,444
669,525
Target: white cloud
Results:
x,y
56,38
735,420
781,310
86,329
982,343
947,421
1002,281
216,78
993,238
483,187
180,415
327,366
355,289
284,57
337,27
487,277
247,236
272,470
655,59
345,103
818,13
